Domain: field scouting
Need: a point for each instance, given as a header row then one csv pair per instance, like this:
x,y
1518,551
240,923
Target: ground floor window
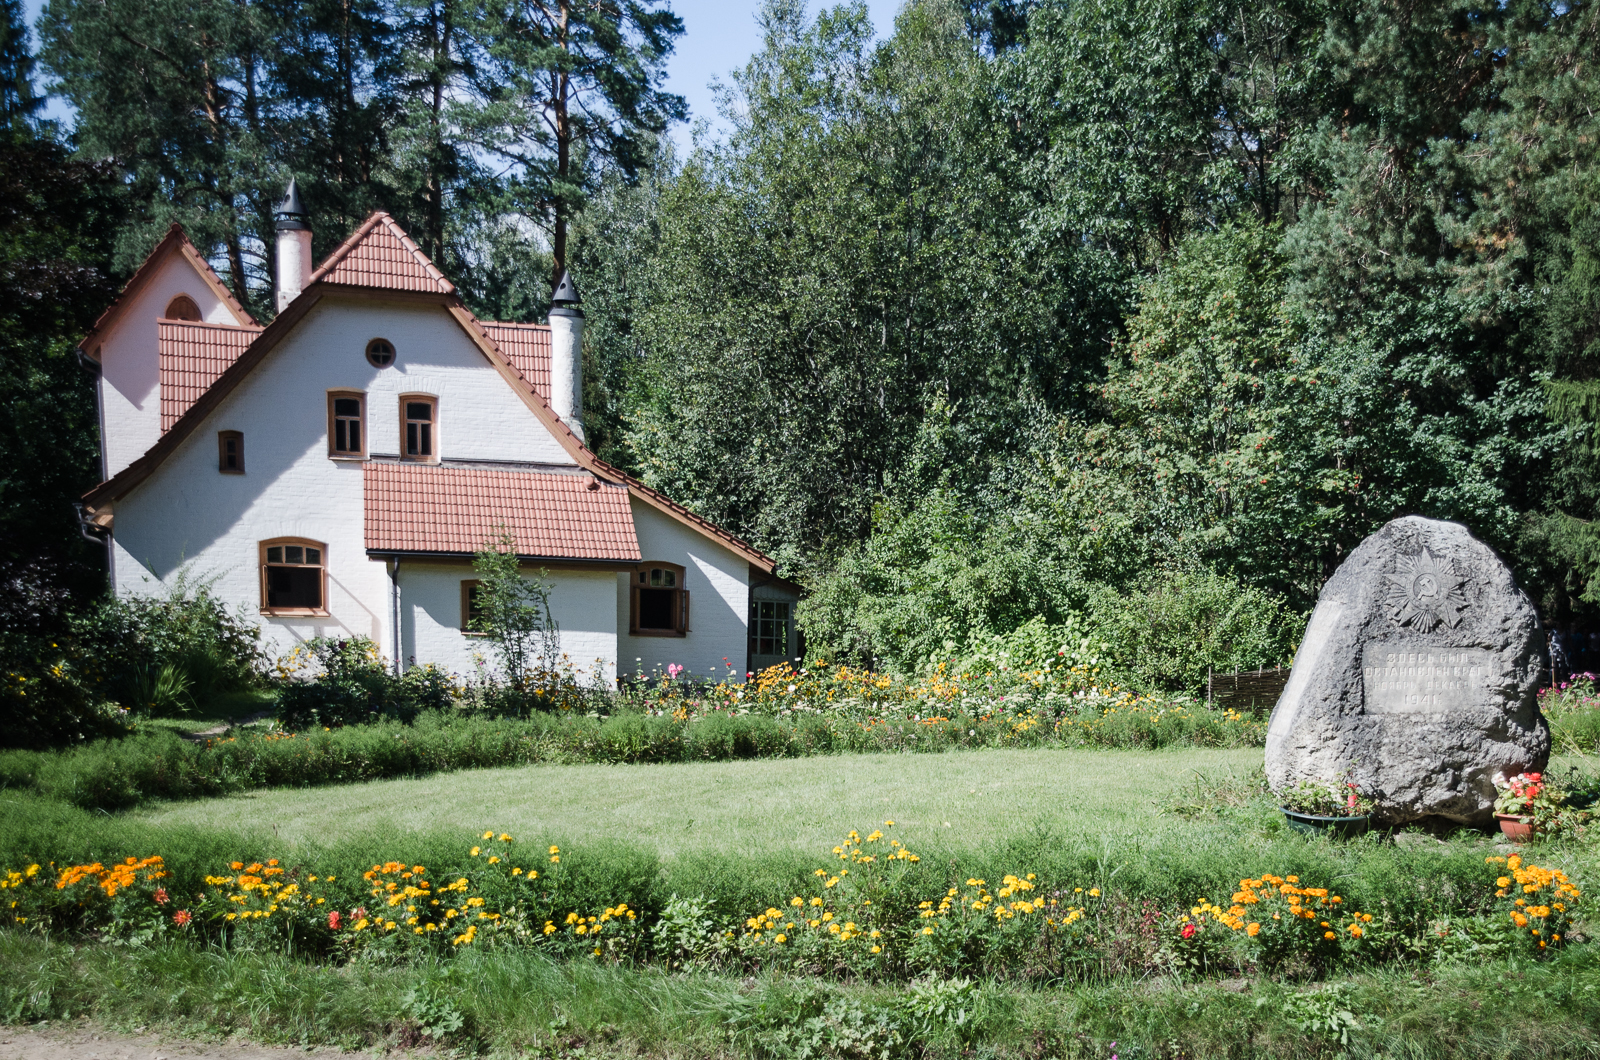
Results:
x,y
658,602
769,627
293,576
471,607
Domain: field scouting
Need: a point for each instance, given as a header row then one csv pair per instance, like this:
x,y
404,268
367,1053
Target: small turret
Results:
x,y
293,225
566,354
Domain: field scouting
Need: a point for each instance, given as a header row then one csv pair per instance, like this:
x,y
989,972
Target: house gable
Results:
x,y
126,343
380,266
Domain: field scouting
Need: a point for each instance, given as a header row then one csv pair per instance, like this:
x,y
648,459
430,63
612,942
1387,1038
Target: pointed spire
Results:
x,y
566,292
291,214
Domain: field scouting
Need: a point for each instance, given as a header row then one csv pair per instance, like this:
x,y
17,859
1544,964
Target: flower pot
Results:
x,y
1333,827
1518,829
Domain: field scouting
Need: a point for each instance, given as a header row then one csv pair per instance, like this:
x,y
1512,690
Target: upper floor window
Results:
x,y
418,417
230,452
658,605
347,419
380,353
293,577
183,308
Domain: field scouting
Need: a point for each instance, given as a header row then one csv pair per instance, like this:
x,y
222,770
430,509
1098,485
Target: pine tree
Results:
x,y
571,87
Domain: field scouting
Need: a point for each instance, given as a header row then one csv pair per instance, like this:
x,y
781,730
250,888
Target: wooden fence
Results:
x,y
1248,691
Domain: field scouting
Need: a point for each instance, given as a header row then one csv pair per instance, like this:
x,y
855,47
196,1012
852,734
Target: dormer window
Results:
x,y
380,353
182,308
347,422
658,602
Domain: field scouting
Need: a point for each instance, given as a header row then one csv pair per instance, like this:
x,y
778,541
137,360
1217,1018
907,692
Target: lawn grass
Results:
x,y
512,1003
227,708
802,805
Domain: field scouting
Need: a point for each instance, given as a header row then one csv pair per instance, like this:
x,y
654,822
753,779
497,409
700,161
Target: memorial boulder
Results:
x,y
1418,678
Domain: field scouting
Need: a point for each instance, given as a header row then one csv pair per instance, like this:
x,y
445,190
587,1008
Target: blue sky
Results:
x,y
719,36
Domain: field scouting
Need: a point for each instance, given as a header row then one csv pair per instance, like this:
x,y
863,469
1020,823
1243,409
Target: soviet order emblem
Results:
x,y
1425,592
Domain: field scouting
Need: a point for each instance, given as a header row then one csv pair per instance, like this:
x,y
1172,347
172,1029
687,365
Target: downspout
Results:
x,y
394,600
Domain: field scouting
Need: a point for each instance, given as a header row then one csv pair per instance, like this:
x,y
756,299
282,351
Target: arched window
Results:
x,y
658,605
293,577
183,308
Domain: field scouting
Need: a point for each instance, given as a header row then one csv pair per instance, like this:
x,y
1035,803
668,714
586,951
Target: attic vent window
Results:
x,y
183,308
380,353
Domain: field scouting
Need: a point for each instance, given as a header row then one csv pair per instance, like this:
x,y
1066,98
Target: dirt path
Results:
x,y
85,1041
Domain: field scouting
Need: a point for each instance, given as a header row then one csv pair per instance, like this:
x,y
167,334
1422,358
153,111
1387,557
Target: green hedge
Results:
x,y
117,774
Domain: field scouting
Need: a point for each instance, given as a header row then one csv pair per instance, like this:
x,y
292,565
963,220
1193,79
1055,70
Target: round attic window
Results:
x,y
380,353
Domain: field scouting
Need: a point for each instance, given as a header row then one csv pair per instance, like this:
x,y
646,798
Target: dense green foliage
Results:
x,y
1060,311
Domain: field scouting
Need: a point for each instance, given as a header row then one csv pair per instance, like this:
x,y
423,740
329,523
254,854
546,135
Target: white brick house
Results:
x,y
334,471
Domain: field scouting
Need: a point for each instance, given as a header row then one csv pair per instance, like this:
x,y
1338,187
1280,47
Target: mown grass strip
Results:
x,y
514,1004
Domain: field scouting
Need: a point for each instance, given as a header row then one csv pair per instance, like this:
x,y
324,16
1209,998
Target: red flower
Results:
x,y
161,896
1188,931
333,920
181,917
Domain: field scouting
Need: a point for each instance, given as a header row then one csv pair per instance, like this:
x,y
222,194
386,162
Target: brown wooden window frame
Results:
x,y
237,438
334,396
381,353
467,587
180,305
431,433
321,610
640,580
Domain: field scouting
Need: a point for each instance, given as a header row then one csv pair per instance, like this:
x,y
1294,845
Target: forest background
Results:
x,y
1028,312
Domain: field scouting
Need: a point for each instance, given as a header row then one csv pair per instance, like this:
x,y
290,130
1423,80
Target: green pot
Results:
x,y
1333,827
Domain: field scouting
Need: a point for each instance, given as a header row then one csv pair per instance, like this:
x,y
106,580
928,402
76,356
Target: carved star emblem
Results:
x,y
1425,592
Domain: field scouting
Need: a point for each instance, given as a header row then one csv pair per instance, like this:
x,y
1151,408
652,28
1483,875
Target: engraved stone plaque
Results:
x,y
1399,677
1417,679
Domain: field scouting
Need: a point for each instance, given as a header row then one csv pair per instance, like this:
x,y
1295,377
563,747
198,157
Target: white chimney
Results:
x,y
294,246
566,354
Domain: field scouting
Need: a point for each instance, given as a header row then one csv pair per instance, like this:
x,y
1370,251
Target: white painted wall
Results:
x,y
718,583
130,362
583,604
187,515
186,512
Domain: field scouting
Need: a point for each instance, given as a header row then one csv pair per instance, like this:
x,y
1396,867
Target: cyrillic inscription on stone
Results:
x,y
1405,679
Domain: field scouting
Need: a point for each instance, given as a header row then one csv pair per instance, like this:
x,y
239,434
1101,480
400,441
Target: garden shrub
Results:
x,y
329,682
48,697
1189,623
160,654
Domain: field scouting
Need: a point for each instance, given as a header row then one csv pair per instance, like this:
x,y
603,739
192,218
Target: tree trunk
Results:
x,y
562,87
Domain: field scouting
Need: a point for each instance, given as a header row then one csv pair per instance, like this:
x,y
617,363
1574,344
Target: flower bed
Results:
x,y
873,911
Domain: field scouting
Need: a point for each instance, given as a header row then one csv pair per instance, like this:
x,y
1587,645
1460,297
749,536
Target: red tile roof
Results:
x,y
527,347
193,356
380,254
423,508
